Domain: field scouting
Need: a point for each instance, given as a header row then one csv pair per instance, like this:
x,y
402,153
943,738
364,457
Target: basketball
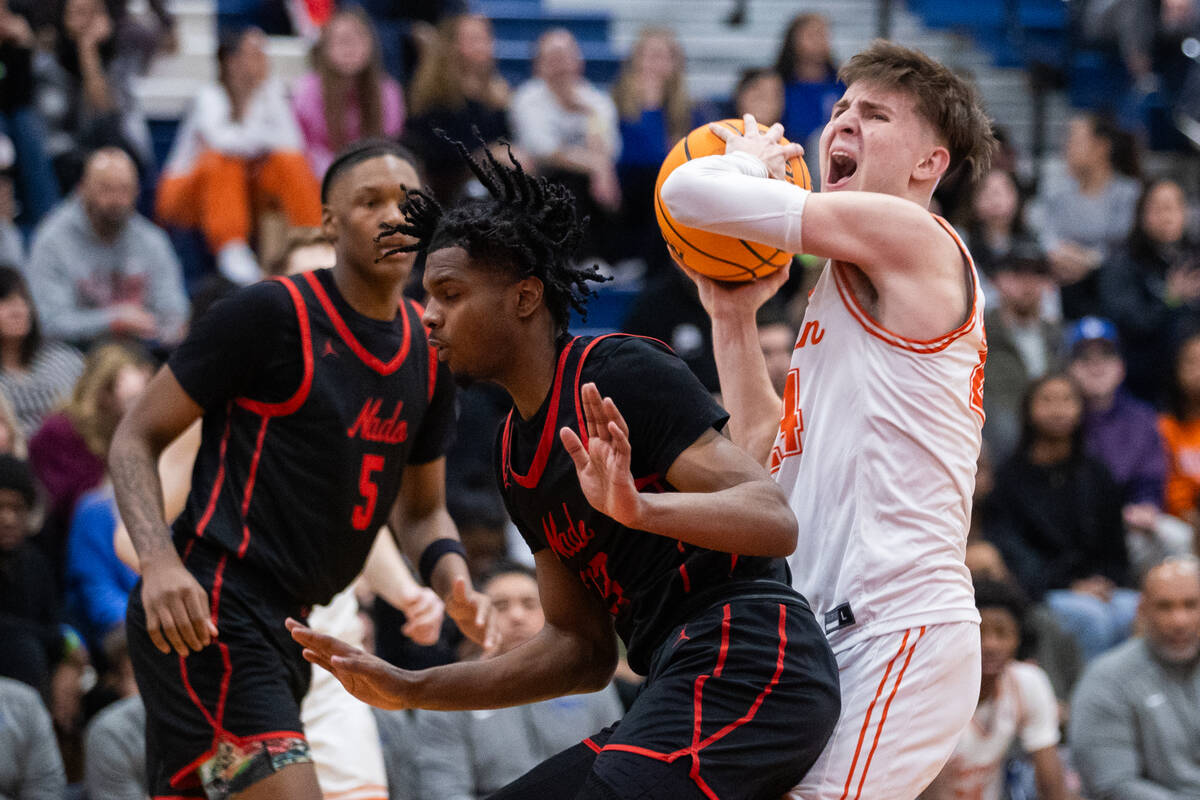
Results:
x,y
724,258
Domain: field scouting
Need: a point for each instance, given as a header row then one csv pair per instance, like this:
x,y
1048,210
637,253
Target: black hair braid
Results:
x,y
527,225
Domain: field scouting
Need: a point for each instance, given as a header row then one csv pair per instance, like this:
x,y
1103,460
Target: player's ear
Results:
x,y
530,292
329,227
934,165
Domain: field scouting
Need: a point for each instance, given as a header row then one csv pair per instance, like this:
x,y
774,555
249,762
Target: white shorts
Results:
x,y
340,728
345,742
906,697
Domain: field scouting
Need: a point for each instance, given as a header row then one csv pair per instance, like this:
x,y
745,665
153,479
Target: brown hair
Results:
x,y
297,239
336,91
99,375
785,62
676,103
437,83
946,101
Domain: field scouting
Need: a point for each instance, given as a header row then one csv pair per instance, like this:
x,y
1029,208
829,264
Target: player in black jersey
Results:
x,y
644,519
324,409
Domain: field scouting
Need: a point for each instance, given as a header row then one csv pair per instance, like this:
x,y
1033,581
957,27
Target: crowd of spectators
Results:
x,y
1088,495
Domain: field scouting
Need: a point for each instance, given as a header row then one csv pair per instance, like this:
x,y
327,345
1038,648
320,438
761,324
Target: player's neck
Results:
x,y
373,300
531,373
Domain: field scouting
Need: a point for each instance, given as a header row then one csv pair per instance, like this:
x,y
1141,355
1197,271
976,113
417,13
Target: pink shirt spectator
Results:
x,y
309,107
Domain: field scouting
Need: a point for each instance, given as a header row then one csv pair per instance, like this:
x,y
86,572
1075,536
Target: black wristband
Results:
x,y
434,552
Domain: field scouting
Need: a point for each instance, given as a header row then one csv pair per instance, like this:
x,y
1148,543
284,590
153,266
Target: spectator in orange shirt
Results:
x,y
1180,428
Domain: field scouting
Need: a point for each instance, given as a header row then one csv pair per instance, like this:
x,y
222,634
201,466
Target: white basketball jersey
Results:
x,y
877,451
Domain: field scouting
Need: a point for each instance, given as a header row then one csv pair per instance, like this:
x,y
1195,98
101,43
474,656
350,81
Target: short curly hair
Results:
x,y
526,225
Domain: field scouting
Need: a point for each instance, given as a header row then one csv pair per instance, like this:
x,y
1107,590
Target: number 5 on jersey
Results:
x,y
791,424
369,490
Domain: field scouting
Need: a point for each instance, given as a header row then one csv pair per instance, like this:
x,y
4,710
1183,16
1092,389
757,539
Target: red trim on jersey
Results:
x,y
862,734
220,479
733,558
687,582
187,549
530,479
433,371
724,641
884,715
348,336
922,346
195,698
258,448
595,748
294,402
580,419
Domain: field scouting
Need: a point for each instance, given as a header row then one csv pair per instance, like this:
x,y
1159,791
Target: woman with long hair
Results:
x,y
237,153
35,375
347,96
1151,287
1056,519
994,217
69,451
457,89
655,112
806,65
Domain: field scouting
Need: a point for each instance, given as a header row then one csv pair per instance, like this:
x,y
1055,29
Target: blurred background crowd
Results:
x,y
155,157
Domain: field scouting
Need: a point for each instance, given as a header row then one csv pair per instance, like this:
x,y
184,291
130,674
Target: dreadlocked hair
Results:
x,y
527,225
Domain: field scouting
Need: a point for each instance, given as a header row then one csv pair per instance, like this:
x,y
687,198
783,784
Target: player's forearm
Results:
x,y
746,389
133,467
419,533
552,664
751,519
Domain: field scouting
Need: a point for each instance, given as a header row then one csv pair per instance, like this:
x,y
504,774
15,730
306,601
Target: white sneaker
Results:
x,y
236,262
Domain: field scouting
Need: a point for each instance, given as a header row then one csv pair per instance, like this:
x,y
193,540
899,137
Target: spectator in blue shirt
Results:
x,y
811,86
98,583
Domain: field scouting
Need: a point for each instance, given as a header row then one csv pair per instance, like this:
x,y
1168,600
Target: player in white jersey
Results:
x,y
882,409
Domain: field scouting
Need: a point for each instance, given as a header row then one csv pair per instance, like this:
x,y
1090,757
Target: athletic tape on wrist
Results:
x,y
434,552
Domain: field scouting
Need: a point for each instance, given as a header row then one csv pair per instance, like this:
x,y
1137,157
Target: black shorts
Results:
x,y
227,716
739,703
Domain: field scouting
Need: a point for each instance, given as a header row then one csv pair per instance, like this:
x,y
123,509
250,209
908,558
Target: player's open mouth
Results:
x,y
842,167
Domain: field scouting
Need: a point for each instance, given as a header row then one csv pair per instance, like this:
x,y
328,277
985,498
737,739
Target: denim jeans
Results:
x,y
36,185
1097,625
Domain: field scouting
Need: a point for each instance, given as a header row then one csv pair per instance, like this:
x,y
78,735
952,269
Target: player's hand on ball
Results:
x,y
423,613
736,301
603,464
367,677
177,615
472,612
763,145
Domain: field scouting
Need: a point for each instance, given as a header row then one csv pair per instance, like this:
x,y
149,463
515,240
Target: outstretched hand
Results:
x,y
603,466
472,612
763,145
370,679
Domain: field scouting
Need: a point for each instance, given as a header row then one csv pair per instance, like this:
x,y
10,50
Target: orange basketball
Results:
x,y
722,257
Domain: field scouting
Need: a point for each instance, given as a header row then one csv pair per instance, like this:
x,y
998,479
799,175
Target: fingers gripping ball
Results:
x,y
722,257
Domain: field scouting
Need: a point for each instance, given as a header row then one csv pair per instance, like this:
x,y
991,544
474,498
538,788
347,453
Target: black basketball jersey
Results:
x,y
649,583
312,411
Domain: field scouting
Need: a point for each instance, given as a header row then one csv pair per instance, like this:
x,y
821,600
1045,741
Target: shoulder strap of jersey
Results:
x,y
294,402
579,415
419,313
347,336
549,431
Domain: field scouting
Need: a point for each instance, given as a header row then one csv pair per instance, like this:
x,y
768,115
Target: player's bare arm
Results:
x,y
420,519
177,612
386,575
724,500
574,653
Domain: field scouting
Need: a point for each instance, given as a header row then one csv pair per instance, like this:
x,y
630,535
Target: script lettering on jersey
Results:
x,y
571,539
596,575
813,333
370,428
